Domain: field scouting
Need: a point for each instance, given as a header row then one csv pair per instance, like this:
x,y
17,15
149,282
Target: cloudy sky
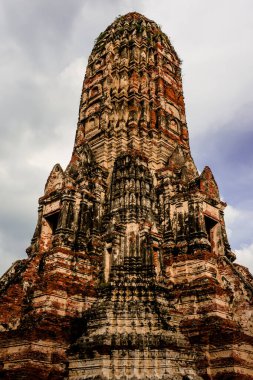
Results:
x,y
44,49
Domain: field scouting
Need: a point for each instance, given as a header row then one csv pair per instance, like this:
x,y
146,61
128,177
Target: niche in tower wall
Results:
x,y
210,225
52,221
49,226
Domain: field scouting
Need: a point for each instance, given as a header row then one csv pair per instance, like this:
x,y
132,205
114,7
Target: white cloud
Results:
x,y
71,74
245,256
239,224
231,215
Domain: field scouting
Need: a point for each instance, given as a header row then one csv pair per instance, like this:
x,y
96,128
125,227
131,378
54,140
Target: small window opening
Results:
x,y
210,226
52,220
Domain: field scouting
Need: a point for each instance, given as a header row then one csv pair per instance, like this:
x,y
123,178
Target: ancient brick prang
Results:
x,y
132,94
129,273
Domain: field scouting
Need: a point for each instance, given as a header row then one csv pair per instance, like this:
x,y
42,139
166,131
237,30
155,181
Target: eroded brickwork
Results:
x,y
129,273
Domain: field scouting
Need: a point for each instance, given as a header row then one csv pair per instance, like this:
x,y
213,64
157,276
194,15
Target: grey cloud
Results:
x,y
42,28
228,150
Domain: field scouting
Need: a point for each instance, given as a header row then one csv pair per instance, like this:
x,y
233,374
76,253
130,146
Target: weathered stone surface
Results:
x,y
129,273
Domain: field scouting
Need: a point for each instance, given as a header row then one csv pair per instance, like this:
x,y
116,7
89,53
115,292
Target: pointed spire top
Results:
x,y
132,90
134,22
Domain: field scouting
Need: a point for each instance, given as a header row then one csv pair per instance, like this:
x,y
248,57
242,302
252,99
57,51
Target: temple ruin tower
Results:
x,y
129,273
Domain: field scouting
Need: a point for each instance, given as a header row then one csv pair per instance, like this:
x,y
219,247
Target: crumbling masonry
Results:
x,y
129,273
